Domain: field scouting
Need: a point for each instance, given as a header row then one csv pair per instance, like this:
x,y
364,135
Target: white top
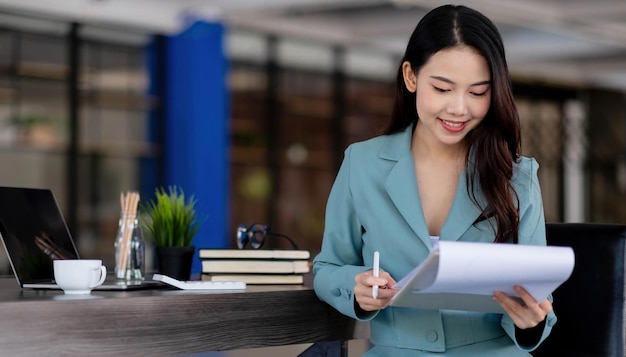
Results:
x,y
434,240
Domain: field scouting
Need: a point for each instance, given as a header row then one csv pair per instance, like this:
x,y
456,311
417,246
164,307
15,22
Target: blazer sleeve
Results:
x,y
532,230
340,258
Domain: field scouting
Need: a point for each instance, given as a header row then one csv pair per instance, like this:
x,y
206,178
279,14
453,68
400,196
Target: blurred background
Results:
x,y
92,104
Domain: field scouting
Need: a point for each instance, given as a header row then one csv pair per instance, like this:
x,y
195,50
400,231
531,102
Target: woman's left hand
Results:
x,y
527,314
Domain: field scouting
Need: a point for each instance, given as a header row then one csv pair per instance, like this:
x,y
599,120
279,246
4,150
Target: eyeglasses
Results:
x,y
256,234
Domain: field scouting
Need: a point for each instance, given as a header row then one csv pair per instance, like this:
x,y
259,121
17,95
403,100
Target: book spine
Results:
x,y
256,266
206,253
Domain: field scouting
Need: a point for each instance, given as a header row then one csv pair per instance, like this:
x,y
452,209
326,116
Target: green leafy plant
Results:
x,y
171,220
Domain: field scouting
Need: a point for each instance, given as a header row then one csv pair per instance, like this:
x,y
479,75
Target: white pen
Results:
x,y
376,272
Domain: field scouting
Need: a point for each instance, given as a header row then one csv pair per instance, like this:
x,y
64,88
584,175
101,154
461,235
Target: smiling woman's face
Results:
x,y
453,93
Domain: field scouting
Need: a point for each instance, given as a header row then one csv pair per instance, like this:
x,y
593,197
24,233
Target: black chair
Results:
x,y
590,304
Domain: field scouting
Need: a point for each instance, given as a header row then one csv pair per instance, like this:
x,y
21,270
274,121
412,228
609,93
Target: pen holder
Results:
x,y
129,249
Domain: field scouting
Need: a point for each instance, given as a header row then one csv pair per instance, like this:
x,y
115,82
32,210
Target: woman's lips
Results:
x,y
453,126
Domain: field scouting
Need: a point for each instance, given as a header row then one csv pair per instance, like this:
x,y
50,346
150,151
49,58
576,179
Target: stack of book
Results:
x,y
255,266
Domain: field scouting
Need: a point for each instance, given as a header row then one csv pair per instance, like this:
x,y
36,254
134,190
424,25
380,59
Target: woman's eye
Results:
x,y
481,94
440,90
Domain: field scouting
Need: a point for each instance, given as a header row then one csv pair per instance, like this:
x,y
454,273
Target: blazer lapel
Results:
x,y
402,189
401,183
463,212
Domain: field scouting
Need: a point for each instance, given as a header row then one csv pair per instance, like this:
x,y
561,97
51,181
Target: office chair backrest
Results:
x,y
590,304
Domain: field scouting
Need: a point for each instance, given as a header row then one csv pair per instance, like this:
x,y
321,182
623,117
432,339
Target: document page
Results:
x,y
463,275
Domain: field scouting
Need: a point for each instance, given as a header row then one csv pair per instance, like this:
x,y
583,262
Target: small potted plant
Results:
x,y
171,223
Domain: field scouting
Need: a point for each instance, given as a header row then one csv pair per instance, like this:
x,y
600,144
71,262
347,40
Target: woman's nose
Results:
x,y
457,106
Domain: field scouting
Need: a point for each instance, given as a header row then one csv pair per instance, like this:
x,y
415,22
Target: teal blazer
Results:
x,y
374,205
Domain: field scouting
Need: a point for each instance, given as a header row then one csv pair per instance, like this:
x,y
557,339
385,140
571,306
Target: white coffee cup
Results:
x,y
79,276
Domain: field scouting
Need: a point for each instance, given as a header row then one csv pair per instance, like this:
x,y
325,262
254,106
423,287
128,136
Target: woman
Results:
x,y
448,167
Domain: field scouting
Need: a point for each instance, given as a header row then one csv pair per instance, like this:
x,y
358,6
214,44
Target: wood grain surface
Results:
x,y
164,322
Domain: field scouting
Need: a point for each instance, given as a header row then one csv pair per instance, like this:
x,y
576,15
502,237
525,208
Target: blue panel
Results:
x,y
196,130
148,167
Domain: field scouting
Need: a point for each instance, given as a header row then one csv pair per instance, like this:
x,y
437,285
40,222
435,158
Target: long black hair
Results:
x,y
496,142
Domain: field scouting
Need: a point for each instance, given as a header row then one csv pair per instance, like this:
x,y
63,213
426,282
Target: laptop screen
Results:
x,y
34,233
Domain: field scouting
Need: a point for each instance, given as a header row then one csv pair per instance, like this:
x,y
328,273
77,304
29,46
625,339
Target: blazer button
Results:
x,y
432,336
336,292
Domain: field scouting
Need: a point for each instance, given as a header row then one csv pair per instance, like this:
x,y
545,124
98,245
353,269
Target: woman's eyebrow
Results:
x,y
444,79
481,83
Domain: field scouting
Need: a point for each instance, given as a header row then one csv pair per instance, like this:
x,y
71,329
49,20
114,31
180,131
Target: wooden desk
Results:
x,y
164,322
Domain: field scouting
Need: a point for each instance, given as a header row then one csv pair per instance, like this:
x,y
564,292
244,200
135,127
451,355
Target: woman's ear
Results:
x,y
410,79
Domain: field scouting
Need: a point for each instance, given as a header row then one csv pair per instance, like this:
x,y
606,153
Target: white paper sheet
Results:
x,y
464,275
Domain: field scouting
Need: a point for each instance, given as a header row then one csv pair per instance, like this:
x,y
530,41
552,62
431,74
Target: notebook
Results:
x,y
33,231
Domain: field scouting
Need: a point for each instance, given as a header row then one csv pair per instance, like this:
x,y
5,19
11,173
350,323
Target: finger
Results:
x,y
363,285
378,281
522,315
372,307
363,290
546,306
528,299
385,293
368,279
513,308
536,311
363,296
368,303
390,280
508,305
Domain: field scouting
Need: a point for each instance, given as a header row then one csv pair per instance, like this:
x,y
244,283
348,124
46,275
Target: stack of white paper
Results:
x,y
464,275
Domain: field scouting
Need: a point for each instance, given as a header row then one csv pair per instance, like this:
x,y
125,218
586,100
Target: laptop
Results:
x,y
34,233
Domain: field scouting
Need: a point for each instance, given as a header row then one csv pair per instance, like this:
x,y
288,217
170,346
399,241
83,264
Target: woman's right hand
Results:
x,y
363,290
